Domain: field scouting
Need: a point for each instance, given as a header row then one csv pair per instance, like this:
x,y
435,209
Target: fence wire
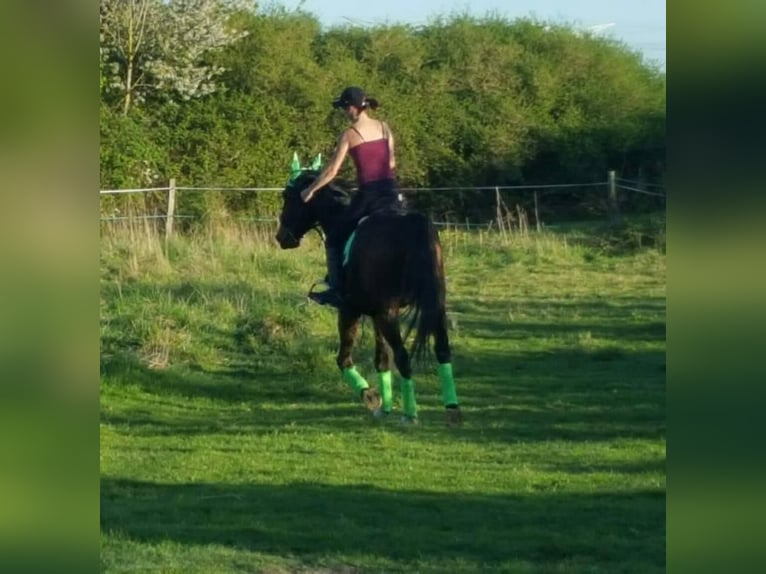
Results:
x,y
619,183
645,192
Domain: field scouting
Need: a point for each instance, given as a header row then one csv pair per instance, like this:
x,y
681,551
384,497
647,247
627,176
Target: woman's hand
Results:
x,y
330,171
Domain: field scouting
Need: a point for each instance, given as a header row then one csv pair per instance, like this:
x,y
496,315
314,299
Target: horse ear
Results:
x,y
316,165
295,167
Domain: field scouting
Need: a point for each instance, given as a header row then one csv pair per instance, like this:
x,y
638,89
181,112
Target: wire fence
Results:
x,y
404,189
637,187
611,199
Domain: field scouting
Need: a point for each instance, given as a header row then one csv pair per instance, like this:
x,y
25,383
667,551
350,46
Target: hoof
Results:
x,y
454,416
379,413
371,399
407,420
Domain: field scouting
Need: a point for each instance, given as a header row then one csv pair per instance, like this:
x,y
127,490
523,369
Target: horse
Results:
x,y
393,262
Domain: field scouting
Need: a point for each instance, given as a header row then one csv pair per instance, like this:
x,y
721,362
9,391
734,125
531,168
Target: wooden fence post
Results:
x,y
537,214
499,212
614,210
171,208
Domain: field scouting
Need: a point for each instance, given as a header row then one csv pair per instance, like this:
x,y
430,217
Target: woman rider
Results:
x,y
371,146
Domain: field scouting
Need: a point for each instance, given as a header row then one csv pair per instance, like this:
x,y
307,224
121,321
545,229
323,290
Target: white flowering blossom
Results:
x,y
161,45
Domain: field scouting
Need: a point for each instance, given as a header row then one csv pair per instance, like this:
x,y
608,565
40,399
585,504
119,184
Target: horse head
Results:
x,y
298,217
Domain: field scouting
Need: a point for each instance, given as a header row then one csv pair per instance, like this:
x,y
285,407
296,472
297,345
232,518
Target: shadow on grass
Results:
x,y
649,466
492,329
528,397
235,383
619,320
313,522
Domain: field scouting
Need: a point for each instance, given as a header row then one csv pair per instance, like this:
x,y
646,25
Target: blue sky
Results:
x,y
639,23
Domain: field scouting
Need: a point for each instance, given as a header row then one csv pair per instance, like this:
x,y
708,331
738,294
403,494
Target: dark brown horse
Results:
x,y
394,263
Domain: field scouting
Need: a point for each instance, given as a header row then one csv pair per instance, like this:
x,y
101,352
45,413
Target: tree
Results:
x,y
163,47
126,38
471,101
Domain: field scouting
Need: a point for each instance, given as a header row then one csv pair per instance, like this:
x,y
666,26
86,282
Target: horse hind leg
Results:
x,y
348,326
454,416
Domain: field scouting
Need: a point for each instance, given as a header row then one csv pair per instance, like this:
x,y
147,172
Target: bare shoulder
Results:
x,y
351,137
386,129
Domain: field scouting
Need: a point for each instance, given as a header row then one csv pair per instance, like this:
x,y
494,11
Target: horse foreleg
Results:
x,y
383,366
348,326
388,326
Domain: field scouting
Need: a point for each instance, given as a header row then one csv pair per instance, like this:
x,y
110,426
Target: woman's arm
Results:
x,y
391,153
330,171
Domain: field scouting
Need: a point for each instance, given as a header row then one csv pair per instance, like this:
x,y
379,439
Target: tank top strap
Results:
x,y
357,133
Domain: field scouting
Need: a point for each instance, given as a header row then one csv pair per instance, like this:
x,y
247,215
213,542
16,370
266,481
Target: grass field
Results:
x,y
229,442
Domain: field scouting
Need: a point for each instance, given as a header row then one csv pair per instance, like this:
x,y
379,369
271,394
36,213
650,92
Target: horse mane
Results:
x,y
338,191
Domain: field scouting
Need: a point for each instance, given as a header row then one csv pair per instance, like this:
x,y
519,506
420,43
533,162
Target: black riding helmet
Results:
x,y
351,96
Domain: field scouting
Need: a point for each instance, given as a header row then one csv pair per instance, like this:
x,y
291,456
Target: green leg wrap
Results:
x,y
448,384
384,386
408,398
354,379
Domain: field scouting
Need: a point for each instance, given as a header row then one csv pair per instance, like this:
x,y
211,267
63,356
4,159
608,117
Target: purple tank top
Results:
x,y
372,160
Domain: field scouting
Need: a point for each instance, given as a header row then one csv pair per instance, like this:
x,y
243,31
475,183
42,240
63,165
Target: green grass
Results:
x,y
229,442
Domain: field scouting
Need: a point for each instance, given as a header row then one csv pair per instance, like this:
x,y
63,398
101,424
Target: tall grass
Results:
x,y
237,272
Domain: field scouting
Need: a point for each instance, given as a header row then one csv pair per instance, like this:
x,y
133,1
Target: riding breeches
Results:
x,y
374,197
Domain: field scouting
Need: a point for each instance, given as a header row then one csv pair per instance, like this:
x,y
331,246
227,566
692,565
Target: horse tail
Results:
x,y
425,280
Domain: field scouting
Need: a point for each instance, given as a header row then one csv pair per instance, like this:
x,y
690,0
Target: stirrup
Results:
x,y
330,297
313,286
